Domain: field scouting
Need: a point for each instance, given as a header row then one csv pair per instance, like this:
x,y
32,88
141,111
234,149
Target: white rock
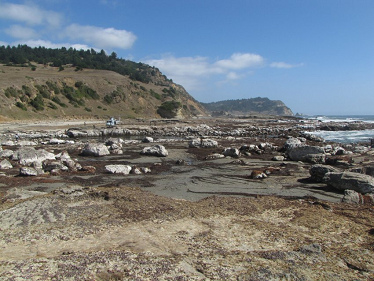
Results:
x,y
118,169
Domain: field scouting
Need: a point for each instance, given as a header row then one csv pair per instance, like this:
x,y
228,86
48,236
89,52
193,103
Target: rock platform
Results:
x,y
228,199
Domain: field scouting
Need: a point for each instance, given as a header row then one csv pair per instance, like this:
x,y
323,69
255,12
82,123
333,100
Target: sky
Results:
x,y
317,56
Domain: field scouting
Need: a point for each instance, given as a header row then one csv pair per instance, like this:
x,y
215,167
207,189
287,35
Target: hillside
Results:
x,y
86,84
49,93
249,106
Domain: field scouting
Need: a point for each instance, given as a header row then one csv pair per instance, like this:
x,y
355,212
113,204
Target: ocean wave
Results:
x,y
343,118
345,136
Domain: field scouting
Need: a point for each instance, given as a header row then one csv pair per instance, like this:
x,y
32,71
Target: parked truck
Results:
x,y
112,122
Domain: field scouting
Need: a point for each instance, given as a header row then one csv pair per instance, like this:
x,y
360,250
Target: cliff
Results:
x,y
249,106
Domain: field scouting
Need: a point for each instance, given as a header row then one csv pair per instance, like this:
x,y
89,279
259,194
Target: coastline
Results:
x,y
197,214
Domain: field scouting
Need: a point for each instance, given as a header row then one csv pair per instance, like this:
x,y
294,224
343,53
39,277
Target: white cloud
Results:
x,y
29,14
185,70
233,76
18,31
284,65
101,37
2,43
189,71
240,61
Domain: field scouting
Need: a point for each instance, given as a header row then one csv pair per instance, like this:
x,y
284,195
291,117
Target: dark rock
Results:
x,y
231,152
349,180
147,140
317,172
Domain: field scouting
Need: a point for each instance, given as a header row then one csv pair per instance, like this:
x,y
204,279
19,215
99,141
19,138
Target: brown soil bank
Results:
x,y
124,233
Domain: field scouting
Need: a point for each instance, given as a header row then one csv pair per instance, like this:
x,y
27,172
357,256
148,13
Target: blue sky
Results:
x,y
317,56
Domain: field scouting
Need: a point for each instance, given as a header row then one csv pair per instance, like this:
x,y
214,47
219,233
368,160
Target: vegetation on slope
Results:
x,y
40,82
23,55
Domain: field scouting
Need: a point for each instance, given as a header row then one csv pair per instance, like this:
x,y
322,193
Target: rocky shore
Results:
x,y
205,199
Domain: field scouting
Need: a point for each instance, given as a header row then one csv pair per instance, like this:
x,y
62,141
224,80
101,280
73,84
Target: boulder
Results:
x,y
306,153
278,158
28,171
118,169
76,133
209,143
231,152
5,164
95,149
147,140
145,170
6,153
353,197
9,143
157,150
205,143
117,151
349,180
135,170
114,141
26,143
50,165
56,141
339,151
292,143
29,155
214,156
195,143
318,171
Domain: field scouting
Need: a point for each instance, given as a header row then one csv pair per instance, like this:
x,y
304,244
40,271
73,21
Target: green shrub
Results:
x,y
169,109
117,94
108,98
53,87
58,101
43,90
38,102
156,95
86,92
21,106
52,105
12,92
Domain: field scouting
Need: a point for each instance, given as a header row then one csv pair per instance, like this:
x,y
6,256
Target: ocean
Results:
x,y
345,136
